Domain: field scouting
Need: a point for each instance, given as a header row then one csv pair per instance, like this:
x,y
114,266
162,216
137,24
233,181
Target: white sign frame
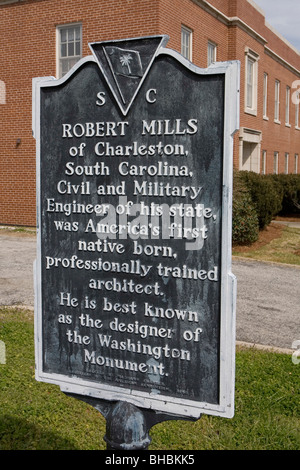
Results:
x,y
160,403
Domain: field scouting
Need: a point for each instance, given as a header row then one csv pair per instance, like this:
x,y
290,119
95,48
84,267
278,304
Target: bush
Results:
x,y
245,227
266,195
290,187
257,199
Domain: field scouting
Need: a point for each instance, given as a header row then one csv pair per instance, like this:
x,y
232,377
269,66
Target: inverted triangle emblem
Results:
x,y
125,65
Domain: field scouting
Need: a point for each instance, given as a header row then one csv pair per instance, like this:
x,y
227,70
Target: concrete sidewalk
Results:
x,y
288,224
17,254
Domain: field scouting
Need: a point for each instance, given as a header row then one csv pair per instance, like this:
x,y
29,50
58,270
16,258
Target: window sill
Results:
x,y
253,112
287,124
265,118
276,121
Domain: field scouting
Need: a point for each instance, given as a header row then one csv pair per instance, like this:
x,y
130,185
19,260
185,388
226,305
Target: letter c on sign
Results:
x,y
152,90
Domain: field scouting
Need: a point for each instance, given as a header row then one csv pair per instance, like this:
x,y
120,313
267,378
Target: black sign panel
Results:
x,y
131,272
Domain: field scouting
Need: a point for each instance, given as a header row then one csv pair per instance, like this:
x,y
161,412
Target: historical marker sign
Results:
x,y
135,298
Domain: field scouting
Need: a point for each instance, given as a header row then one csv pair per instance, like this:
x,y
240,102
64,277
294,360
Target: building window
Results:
x,y
296,163
186,42
211,53
286,163
69,47
297,111
264,162
287,105
250,149
265,97
2,92
275,169
251,82
277,101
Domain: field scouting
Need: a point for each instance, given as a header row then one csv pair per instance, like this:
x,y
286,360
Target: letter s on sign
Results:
x,y
101,100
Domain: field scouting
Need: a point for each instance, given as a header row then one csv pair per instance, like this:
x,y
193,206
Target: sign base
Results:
x,y
127,426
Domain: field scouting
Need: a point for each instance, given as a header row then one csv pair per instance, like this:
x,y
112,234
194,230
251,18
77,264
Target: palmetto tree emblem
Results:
x,y
125,60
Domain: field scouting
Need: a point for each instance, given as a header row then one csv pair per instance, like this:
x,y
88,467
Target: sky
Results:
x,y
284,16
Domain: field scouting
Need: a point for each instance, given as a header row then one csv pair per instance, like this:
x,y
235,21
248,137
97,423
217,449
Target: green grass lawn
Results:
x,y
38,416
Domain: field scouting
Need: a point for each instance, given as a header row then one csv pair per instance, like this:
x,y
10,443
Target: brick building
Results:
x,y
46,37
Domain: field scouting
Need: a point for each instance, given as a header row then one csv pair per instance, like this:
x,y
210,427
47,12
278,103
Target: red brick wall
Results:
x,y
175,13
29,30
28,36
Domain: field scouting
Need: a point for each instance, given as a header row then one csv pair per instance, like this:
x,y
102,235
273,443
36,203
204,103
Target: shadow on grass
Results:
x,y
20,434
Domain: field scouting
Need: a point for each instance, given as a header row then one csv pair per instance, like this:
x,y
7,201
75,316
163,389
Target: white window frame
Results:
x,y
186,42
296,163
265,97
250,139
251,81
276,159
286,163
2,92
297,111
68,58
287,106
264,162
211,53
277,102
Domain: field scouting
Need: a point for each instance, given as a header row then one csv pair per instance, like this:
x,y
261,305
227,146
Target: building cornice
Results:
x,y
282,38
281,61
230,21
235,21
5,2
